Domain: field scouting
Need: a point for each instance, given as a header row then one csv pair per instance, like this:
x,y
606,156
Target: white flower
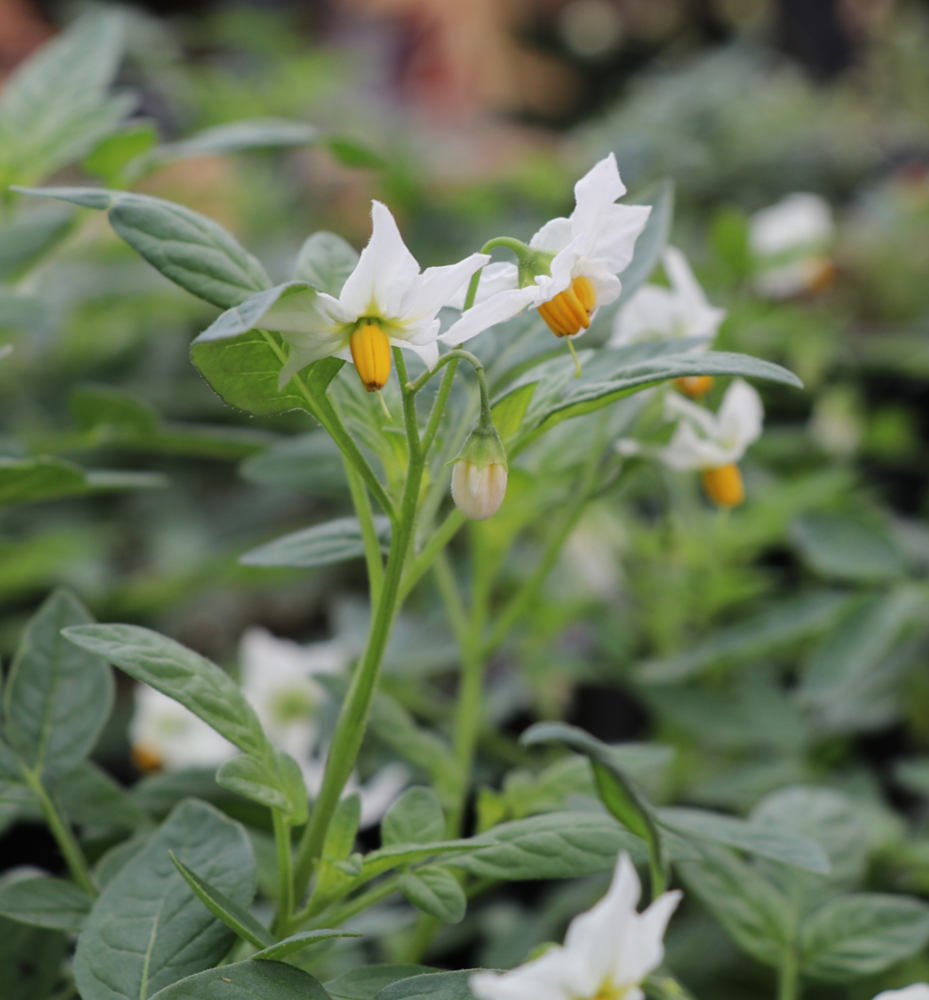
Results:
x,y
166,736
277,678
385,302
790,241
588,250
657,313
918,991
607,951
707,440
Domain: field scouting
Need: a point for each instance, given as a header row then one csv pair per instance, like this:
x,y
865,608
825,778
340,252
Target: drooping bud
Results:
x,y
371,353
569,312
724,485
480,473
694,386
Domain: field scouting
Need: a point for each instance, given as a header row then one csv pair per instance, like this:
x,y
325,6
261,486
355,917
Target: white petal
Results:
x,y
305,311
428,351
676,406
650,314
173,735
546,978
594,193
555,235
741,414
436,286
384,271
497,309
498,277
564,267
614,239
642,951
918,991
378,794
305,351
687,451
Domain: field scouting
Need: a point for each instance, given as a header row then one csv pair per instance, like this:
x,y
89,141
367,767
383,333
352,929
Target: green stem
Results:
x,y
285,903
64,835
322,409
440,402
423,562
788,985
353,717
372,543
361,903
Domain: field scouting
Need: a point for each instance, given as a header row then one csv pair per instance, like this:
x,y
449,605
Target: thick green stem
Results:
x,y
64,835
285,876
372,543
353,718
788,984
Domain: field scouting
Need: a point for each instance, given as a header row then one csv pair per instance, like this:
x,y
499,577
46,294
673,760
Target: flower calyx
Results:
x,y
480,473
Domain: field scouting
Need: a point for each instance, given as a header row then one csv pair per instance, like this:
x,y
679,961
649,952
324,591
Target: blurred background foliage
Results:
x,y
786,642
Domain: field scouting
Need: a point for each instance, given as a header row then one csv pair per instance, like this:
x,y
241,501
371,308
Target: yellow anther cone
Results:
x,y
371,353
568,313
724,485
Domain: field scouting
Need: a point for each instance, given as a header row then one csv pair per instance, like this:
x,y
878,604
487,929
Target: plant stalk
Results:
x,y
285,903
64,836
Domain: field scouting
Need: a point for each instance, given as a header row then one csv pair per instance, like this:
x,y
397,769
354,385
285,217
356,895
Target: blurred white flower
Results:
x,y
711,443
918,991
278,678
790,243
607,952
585,253
657,313
166,736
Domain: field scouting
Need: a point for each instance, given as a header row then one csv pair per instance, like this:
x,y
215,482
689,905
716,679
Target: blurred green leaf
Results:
x,y
311,463
297,942
277,784
45,902
322,545
112,155
841,547
28,480
431,986
30,235
325,261
57,697
415,818
860,934
365,982
435,891
36,978
352,152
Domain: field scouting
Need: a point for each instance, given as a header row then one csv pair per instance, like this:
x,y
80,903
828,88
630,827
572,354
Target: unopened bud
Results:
x,y
480,473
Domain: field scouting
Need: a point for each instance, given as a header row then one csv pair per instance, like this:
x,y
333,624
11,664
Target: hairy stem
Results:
x,y
353,717
372,544
285,903
64,836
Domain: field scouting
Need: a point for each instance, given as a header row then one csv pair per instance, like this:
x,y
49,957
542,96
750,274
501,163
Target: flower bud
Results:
x,y
479,476
724,485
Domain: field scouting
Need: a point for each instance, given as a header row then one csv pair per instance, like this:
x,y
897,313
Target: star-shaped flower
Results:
x,y
606,955
577,262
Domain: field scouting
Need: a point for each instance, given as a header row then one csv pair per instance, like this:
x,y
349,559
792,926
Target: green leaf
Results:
x,y
779,626
397,855
352,152
842,547
234,137
859,646
431,986
246,981
755,914
181,674
188,248
148,929
35,977
509,412
768,842
415,818
29,236
54,107
116,858
861,934
365,982
652,240
297,942
277,785
45,902
435,891
57,697
322,545
617,790
110,158
325,261
90,797
557,845
27,480
311,463
234,916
